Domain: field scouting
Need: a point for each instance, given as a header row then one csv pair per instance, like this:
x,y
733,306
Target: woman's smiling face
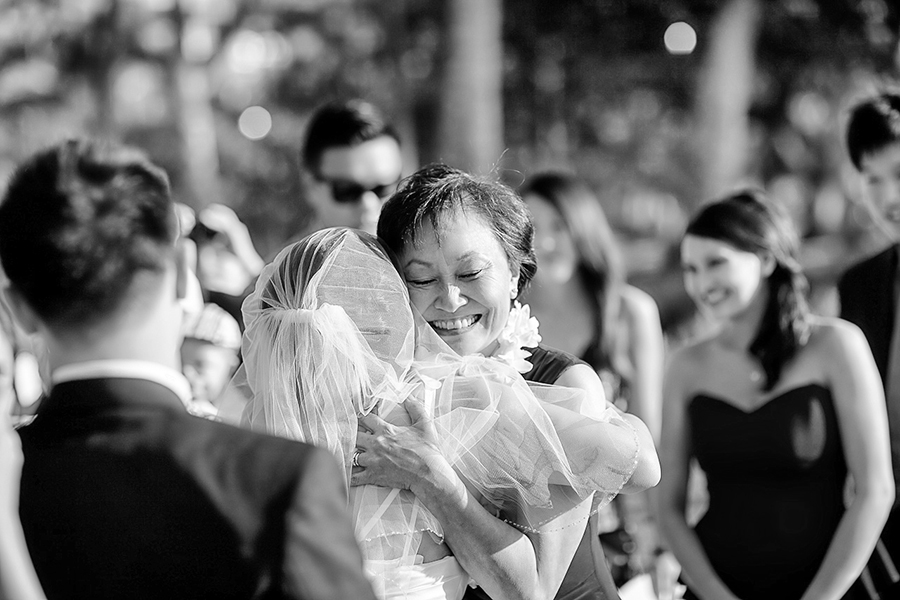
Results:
x,y
721,280
461,282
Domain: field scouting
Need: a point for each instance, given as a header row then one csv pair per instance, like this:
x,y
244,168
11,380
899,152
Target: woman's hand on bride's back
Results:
x,y
401,457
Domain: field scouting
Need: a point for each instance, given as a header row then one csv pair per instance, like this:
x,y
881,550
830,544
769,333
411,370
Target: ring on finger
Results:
x,y
354,461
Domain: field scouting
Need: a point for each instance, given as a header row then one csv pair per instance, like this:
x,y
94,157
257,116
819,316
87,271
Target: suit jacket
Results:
x,y
125,495
867,298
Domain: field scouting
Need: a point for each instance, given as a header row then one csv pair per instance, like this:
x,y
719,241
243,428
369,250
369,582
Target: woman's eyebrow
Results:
x,y
416,261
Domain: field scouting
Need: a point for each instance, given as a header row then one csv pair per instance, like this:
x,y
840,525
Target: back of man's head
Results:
x,y
339,124
78,223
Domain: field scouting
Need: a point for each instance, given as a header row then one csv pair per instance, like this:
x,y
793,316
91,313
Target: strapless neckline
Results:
x,y
771,399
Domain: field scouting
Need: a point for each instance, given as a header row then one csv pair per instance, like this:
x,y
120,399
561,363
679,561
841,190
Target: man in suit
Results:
x,y
123,493
869,290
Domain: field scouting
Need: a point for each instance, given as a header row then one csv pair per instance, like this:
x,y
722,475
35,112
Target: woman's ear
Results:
x,y
513,281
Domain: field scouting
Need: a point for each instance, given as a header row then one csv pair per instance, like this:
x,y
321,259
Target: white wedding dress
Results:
x,y
330,336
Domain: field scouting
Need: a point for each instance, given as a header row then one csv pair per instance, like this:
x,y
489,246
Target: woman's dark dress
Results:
x,y
776,480
588,577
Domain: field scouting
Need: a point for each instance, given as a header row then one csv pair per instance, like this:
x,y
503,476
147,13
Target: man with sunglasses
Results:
x,y
352,163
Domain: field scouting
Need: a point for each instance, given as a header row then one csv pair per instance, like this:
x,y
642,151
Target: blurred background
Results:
x,y
659,104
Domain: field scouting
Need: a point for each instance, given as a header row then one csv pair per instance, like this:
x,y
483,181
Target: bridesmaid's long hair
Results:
x,y
600,264
748,221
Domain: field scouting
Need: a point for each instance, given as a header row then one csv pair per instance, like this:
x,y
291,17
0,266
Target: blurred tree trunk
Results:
x,y
103,39
196,121
724,96
470,130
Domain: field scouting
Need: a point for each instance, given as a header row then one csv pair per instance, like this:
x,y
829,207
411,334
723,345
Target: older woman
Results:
x,y
465,248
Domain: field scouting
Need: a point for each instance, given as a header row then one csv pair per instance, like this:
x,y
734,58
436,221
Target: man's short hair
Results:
x,y
338,124
874,124
78,222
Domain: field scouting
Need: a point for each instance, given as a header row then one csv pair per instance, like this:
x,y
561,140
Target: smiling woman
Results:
x,y
464,246
778,407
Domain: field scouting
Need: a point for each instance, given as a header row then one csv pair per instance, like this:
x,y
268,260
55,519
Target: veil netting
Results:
x,y
330,336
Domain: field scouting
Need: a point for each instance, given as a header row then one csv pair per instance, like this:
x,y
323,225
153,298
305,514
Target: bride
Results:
x,y
331,337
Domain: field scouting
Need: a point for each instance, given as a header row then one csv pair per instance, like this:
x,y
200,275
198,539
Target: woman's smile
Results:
x,y
456,325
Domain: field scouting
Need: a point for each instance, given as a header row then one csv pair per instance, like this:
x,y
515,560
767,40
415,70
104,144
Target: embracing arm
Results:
x,y
646,473
506,562
859,402
646,351
672,492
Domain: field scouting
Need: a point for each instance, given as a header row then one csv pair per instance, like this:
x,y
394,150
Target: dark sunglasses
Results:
x,y
346,192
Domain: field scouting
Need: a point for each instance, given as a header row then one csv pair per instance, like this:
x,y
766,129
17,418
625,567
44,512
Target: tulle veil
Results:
x,y
330,336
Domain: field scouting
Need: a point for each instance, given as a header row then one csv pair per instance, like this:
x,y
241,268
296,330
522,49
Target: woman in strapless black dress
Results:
x,y
778,407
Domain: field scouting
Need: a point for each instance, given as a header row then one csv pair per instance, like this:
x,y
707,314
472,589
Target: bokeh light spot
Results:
x,y
680,38
255,122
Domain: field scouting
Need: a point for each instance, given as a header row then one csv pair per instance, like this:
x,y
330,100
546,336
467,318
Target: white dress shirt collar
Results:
x,y
126,369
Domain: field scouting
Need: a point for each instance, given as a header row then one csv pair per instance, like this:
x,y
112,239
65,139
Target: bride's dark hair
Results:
x,y
750,222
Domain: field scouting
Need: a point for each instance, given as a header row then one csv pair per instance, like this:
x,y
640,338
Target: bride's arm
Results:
x,y
506,562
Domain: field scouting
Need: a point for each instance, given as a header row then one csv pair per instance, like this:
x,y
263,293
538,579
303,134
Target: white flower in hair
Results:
x,y
520,332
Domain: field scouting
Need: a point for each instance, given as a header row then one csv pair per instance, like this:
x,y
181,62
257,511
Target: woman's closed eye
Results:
x,y
471,274
420,282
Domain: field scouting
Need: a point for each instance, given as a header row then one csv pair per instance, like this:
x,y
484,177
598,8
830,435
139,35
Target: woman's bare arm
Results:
x,y
647,471
859,401
672,492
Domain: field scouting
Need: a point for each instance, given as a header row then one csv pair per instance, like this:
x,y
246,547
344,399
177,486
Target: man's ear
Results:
x,y
183,252
22,312
768,263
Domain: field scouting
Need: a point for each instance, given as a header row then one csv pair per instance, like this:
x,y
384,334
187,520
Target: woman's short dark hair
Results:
x,y
78,222
748,221
438,192
873,125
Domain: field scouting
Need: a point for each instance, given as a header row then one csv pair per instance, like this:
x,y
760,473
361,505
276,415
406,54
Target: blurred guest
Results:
x,y
868,290
352,161
227,263
778,406
351,164
586,308
18,580
123,493
209,357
